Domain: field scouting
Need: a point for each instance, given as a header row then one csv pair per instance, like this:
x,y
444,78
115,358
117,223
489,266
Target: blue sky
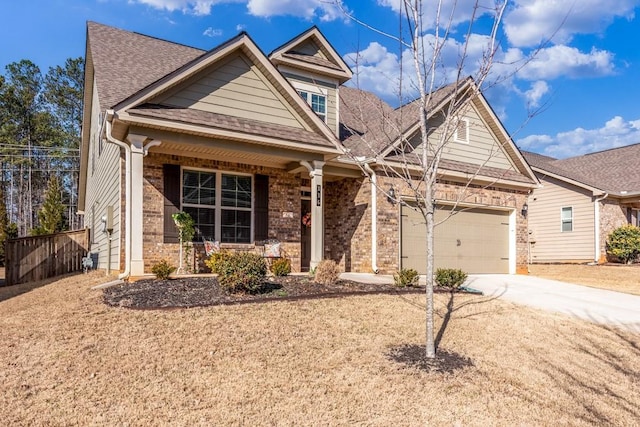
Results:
x,y
585,81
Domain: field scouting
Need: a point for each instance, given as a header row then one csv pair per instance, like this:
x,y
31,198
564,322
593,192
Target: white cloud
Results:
x,y
212,32
557,61
532,22
307,9
535,94
616,132
452,12
240,27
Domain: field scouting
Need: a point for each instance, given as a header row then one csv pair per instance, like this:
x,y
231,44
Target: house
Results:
x,y
259,147
581,200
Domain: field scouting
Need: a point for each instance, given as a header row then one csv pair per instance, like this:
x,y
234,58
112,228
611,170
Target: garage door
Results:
x,y
473,240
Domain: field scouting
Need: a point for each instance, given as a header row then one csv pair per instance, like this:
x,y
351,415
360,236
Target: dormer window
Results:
x,y
318,103
461,133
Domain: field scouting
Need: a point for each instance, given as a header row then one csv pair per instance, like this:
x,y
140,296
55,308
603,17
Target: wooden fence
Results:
x,y
34,258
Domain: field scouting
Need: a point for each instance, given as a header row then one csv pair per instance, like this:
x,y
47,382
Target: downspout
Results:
x,y
596,227
374,217
127,188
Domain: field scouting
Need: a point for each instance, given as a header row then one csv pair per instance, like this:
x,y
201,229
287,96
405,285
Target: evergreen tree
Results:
x,y
51,216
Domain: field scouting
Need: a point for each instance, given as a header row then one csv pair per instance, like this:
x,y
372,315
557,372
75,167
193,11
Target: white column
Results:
x,y
317,213
137,195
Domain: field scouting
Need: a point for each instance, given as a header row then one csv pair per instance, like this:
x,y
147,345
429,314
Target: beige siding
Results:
x,y
103,184
235,88
311,49
320,86
548,243
482,148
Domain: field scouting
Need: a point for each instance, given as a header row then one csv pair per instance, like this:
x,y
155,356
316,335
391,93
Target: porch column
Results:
x,y
137,214
317,213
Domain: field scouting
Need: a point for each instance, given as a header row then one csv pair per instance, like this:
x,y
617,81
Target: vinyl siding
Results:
x,y
548,243
235,88
482,148
103,189
332,96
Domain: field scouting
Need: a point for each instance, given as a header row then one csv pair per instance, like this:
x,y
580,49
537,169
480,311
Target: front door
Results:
x,y
305,235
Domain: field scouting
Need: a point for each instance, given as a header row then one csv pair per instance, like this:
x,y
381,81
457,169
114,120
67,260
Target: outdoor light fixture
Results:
x,y
525,210
391,196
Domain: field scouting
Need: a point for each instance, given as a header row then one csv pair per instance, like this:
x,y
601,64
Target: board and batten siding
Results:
x,y
548,243
236,88
103,190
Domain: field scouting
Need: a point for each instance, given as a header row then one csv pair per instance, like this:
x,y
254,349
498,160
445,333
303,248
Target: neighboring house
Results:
x,y
580,202
249,143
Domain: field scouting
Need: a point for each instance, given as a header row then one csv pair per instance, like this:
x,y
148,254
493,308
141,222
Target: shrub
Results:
x,y
326,272
281,266
624,243
241,272
450,277
162,269
216,259
406,277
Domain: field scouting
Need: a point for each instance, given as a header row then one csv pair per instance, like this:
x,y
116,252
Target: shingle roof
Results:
x,y
222,121
314,60
369,125
614,171
126,62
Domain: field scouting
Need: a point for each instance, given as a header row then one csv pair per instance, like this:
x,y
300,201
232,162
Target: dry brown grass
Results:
x,y
621,278
67,359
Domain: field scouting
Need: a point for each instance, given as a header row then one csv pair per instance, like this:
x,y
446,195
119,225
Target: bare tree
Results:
x,y
417,134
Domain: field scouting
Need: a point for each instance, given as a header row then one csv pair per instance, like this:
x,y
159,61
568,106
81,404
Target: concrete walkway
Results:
x,y
595,305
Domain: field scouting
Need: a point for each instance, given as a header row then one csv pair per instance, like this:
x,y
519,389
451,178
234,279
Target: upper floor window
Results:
x,y
566,219
220,204
318,103
461,132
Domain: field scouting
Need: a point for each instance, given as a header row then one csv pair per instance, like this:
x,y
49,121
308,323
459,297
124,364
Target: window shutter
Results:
x,y
171,201
261,208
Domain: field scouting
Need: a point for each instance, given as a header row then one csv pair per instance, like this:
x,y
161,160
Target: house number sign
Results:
x,y
318,193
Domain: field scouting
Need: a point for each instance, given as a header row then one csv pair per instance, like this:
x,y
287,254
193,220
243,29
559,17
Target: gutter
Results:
x,y
596,226
374,217
127,188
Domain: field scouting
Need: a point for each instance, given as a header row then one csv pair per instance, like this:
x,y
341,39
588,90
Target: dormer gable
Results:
x,y
311,53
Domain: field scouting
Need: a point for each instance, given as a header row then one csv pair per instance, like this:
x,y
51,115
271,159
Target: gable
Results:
x,y
234,87
309,48
481,147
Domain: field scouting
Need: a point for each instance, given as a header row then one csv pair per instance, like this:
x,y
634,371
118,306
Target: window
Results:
x,y
317,101
220,204
461,133
566,218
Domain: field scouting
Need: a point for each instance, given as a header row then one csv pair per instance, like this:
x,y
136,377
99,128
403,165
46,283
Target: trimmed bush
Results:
x,y
162,269
216,259
241,272
327,272
406,277
450,277
624,243
281,267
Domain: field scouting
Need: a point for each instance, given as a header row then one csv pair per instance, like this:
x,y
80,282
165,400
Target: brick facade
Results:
x,y
347,212
284,196
612,216
348,220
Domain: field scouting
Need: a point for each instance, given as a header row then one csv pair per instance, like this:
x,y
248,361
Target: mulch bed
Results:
x,y
204,291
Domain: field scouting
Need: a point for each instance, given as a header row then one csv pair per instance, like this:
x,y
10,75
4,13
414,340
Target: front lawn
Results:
x,y
613,277
69,359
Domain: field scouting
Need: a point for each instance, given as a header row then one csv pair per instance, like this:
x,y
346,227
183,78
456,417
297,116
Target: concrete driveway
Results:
x,y
595,305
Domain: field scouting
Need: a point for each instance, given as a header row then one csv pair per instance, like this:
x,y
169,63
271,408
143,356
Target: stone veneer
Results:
x,y
284,196
348,220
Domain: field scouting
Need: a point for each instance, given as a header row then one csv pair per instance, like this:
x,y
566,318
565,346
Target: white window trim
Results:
x,y
218,206
314,90
456,137
562,220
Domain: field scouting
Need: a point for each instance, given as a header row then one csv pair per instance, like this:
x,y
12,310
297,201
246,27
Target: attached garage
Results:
x,y
473,240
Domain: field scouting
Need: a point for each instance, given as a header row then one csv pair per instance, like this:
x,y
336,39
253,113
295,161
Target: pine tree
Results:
x,y
51,216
